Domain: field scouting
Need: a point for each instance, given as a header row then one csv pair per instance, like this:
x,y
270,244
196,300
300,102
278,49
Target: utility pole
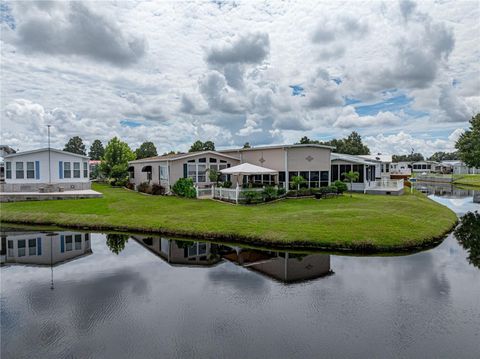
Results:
x,y
49,158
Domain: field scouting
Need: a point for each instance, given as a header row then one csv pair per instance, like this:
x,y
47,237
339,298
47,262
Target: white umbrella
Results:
x,y
248,169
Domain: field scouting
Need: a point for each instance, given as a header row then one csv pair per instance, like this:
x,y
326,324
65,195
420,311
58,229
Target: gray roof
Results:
x,y
351,158
276,146
179,156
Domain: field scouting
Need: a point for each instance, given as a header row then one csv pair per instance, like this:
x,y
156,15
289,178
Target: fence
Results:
x,y
226,194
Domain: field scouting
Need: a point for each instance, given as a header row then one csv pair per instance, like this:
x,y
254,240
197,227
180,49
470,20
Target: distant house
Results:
x,y
459,167
4,150
424,166
382,168
45,170
401,168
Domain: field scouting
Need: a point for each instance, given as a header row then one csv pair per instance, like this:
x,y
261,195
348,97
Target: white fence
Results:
x,y
385,185
228,194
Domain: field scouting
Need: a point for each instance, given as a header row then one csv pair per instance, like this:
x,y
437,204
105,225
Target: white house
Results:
x,y
382,168
401,168
459,167
45,170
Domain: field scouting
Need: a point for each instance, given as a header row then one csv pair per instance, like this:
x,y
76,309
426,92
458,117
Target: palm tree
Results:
x,y
297,181
351,177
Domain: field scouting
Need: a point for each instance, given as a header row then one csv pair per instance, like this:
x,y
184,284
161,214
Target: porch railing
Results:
x,y
385,184
228,194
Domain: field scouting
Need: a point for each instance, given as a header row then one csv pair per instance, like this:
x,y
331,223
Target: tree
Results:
x,y
214,175
247,145
96,150
75,145
468,234
412,157
116,242
351,145
351,176
198,146
146,149
297,181
468,144
443,156
115,161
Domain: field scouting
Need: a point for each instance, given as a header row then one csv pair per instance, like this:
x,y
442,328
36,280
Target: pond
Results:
x,y
73,294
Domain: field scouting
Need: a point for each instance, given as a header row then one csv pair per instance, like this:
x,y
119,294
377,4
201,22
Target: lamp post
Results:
x,y
49,158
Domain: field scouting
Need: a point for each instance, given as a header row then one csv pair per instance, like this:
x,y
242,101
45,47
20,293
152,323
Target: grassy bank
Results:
x,y
364,222
469,180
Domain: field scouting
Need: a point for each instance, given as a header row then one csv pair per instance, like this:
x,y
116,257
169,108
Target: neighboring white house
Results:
x,y
400,168
46,170
424,166
382,168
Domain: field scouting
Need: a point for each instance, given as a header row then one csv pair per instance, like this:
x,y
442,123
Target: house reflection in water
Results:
x,y
41,248
282,266
182,252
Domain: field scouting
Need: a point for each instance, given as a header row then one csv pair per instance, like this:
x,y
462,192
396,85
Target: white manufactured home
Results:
x,y
45,170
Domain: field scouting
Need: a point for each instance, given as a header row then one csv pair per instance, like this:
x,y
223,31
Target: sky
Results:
x,y
403,74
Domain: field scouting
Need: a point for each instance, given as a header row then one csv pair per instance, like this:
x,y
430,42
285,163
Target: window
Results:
x,y
334,173
32,247
76,169
202,173
424,167
78,241
68,243
19,170
87,237
85,170
281,176
306,176
163,173
10,248
314,179
21,248
324,178
67,172
30,169
213,160
202,160
192,171
429,167
223,161
387,168
8,172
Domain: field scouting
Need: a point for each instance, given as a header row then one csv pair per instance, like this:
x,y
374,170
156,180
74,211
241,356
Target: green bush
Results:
x,y
281,192
269,193
251,196
227,184
184,188
144,187
130,185
341,186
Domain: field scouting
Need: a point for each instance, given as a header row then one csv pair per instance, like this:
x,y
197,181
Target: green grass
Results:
x,y
366,222
469,180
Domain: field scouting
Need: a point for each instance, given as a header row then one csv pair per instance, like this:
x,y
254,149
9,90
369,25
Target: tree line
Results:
x,y
116,154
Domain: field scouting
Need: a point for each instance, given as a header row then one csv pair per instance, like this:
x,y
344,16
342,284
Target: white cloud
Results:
x,y
348,118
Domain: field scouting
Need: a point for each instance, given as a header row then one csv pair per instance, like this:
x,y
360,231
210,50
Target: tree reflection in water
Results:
x,y
468,235
116,242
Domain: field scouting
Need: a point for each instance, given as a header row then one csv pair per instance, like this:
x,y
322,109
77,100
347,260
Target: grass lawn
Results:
x,y
367,222
469,180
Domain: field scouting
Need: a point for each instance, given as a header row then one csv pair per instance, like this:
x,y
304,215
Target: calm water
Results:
x,y
161,298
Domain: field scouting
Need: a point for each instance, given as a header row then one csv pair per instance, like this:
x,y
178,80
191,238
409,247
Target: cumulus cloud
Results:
x,y
250,48
454,109
72,28
349,118
219,96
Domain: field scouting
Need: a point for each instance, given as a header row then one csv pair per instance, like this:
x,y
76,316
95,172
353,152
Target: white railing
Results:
x,y
385,184
203,192
229,194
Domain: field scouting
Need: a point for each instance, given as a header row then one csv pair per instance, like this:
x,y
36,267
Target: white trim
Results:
x,y
12,155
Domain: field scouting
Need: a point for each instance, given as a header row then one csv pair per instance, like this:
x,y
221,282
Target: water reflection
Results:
x,y
43,248
283,266
468,235
459,200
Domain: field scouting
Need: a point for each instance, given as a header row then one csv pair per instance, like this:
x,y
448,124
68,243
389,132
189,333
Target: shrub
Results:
x,y
341,186
157,190
184,188
130,185
227,184
144,187
281,192
269,193
251,196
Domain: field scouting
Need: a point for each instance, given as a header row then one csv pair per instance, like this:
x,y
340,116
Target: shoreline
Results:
x,y
257,242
